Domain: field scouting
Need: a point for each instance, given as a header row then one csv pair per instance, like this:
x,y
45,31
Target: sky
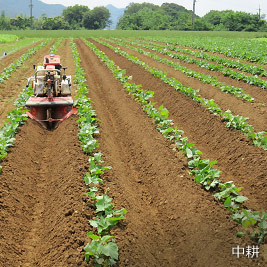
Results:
x,y
202,6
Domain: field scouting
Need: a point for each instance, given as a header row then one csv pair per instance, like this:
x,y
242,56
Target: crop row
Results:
x,y
102,249
13,66
204,78
55,46
201,169
250,79
230,63
16,117
233,121
254,51
14,120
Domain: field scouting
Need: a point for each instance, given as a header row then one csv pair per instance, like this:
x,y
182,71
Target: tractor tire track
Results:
x,y
238,159
170,221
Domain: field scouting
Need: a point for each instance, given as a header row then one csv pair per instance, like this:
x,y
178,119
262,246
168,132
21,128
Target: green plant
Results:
x,y
103,250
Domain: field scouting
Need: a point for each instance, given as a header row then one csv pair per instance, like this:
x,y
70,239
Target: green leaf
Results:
x,y
111,250
263,224
227,202
240,234
240,199
105,238
103,203
93,236
189,153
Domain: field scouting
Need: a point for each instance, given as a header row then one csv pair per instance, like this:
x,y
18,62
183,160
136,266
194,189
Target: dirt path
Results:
x,y
170,220
11,88
7,60
256,113
238,159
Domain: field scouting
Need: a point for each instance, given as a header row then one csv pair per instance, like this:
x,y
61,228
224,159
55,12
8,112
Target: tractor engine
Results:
x,y
52,101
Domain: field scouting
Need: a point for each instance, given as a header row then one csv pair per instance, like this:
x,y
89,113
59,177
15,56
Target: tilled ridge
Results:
x,y
238,159
170,221
257,114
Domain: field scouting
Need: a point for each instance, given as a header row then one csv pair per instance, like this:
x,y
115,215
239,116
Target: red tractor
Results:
x,y
52,102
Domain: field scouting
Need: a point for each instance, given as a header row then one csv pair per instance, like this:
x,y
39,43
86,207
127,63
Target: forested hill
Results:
x,y
147,16
170,16
14,8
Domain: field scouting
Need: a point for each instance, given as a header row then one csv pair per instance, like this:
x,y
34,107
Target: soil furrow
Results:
x,y
257,93
170,221
43,213
257,114
238,159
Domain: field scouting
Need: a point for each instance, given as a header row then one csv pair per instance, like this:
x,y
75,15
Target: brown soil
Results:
x,y
10,58
43,212
256,92
170,221
238,159
11,88
257,114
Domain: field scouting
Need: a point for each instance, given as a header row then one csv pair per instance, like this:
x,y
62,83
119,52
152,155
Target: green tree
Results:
x,y
98,18
202,25
240,21
133,8
148,16
214,17
74,15
4,22
20,23
54,23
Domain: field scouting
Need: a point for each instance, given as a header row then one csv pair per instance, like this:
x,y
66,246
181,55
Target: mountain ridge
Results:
x,y
13,8
116,14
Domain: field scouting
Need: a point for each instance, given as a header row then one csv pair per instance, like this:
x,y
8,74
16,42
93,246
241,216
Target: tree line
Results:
x,y
145,16
170,16
72,18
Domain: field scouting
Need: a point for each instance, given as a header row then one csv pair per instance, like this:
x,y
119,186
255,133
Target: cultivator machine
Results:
x,y
52,102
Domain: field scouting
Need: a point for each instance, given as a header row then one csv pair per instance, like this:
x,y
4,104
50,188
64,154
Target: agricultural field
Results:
x,y
164,163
